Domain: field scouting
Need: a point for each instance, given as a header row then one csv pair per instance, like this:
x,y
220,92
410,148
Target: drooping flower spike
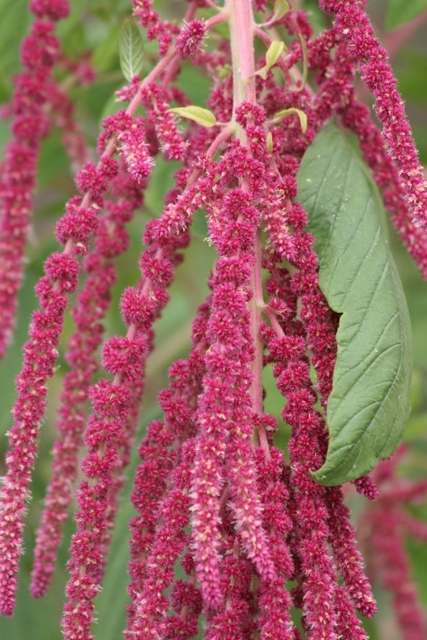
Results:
x,y
93,302
40,52
353,27
386,525
61,278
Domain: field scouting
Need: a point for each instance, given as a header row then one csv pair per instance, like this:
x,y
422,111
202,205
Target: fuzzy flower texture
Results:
x,y
228,529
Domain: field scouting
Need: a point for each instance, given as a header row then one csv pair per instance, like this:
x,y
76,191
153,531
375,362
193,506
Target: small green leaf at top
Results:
x,y
274,52
291,111
401,11
281,7
370,399
131,49
204,117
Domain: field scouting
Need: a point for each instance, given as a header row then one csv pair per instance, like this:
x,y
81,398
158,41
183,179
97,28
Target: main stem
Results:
x,y
242,28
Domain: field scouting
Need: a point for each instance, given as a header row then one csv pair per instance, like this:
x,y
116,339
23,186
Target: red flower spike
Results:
x,y
348,559
113,402
190,38
39,52
274,600
357,118
39,360
348,626
169,139
387,558
157,459
40,357
53,9
93,303
366,487
353,27
134,149
169,542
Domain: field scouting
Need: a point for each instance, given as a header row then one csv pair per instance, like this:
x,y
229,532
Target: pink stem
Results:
x,y
242,30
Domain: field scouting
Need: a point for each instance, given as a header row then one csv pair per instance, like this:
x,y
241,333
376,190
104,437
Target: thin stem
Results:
x,y
221,16
242,29
213,5
242,51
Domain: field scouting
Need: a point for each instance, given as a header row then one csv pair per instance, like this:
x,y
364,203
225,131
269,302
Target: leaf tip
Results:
x,y
203,117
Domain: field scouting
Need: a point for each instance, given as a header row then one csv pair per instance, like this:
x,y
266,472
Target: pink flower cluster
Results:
x,y
353,27
39,52
255,539
384,527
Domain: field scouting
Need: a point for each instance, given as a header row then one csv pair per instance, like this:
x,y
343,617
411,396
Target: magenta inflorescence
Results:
x,y
228,526
386,525
31,123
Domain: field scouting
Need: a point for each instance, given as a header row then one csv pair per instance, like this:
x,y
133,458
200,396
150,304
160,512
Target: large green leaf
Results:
x,y
370,400
401,11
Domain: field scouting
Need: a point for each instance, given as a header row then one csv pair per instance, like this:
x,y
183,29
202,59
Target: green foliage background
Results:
x,y
95,25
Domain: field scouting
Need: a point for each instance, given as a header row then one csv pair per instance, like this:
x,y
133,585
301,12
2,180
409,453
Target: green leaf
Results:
x,y
401,11
204,117
274,52
291,111
281,7
131,49
303,82
370,400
